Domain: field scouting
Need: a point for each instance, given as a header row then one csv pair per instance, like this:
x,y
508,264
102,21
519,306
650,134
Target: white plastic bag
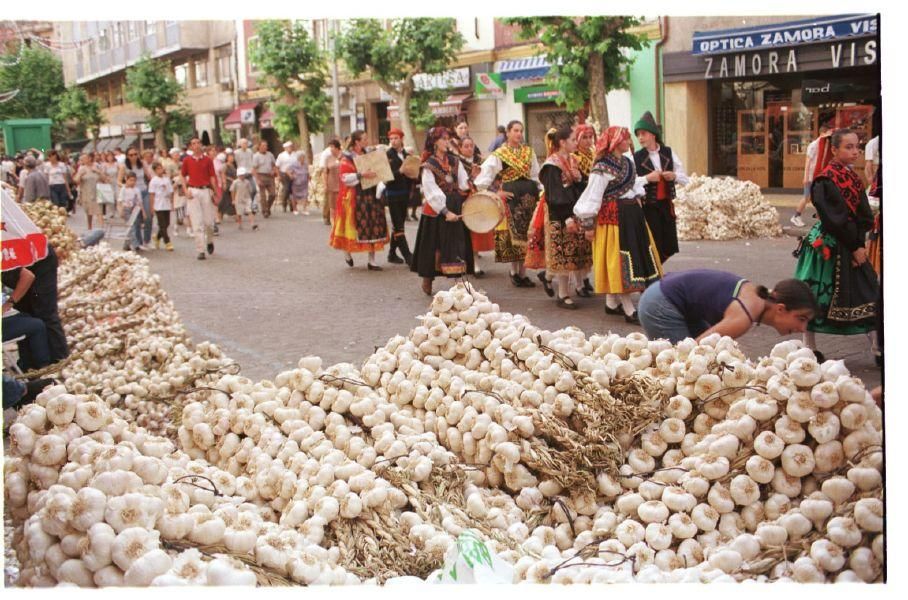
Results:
x,y
471,561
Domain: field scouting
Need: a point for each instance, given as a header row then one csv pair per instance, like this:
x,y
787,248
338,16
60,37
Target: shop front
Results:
x,y
769,89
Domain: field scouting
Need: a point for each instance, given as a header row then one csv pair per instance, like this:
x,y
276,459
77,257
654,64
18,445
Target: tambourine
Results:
x,y
482,212
410,167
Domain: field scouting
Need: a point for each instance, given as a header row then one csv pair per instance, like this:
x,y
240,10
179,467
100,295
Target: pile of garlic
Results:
x,y
130,350
723,208
51,220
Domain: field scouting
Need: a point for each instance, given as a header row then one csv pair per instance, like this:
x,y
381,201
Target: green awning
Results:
x,y
536,93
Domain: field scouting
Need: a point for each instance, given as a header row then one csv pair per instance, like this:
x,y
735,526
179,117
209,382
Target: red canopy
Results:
x,y
23,243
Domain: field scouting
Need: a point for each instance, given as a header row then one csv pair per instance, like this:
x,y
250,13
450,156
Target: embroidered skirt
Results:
x,y
846,295
511,233
359,226
625,258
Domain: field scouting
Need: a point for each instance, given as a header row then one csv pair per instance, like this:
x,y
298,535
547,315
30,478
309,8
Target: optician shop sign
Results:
x,y
792,60
780,35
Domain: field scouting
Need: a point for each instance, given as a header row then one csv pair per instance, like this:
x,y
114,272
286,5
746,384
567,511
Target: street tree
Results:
x,y
75,105
37,79
298,70
393,55
150,84
588,56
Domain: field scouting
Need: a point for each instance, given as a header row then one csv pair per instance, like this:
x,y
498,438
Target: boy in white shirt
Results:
x,y
160,195
241,193
130,198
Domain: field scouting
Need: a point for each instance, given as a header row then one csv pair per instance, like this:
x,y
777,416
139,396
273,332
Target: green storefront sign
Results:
x,y
489,85
536,93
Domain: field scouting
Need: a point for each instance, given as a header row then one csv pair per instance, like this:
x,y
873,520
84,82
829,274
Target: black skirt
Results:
x,y
640,264
443,248
662,224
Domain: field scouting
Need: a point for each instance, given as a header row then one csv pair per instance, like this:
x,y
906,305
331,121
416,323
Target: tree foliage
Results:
x,y
294,65
180,122
393,55
587,54
38,76
150,84
75,105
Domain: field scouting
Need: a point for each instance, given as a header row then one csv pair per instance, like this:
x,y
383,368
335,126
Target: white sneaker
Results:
x,y
797,221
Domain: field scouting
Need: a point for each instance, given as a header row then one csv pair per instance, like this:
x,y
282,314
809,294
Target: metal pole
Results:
x,y
334,82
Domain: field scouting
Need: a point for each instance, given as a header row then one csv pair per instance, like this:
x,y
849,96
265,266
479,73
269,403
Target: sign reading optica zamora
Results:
x,y
792,33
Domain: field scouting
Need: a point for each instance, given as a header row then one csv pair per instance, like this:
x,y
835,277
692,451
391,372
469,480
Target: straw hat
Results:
x,y
482,212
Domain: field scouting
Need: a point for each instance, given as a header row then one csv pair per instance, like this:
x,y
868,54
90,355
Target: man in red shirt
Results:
x,y
198,182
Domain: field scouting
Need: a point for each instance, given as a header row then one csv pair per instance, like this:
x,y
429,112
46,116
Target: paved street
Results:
x,y
271,296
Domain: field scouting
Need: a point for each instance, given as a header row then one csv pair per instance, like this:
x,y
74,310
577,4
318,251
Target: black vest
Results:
x,y
645,167
401,184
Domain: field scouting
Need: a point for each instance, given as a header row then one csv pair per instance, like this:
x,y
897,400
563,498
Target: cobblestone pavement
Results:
x,y
271,296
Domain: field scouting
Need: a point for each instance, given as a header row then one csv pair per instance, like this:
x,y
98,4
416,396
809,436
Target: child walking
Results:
x,y
130,199
160,191
241,194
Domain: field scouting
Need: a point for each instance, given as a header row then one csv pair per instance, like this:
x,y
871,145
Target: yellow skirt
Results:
x,y
611,267
343,234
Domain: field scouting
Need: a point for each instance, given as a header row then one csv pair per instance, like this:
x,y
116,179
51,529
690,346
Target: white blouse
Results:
x,y
492,166
591,199
681,177
433,194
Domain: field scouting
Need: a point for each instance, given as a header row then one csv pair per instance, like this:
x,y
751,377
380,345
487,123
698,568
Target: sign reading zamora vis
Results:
x,y
827,43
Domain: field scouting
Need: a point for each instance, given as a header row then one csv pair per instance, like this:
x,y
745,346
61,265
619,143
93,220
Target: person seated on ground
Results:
x,y
700,302
33,350
40,300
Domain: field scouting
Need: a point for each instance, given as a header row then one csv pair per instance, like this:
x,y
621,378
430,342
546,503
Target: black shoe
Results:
x,y
210,247
201,256
820,357
349,261
408,258
395,260
254,227
587,285
217,231
632,318
613,311
566,303
527,283
583,293
546,284
372,267
479,273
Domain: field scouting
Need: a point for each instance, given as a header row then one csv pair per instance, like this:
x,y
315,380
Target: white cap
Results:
x,y
241,171
287,144
221,156
174,151
228,150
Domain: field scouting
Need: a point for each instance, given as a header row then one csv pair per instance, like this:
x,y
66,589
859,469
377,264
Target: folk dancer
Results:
x,y
663,170
625,258
398,193
360,225
442,241
513,172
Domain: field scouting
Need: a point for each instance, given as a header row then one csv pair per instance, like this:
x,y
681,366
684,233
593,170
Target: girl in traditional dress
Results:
x,y
833,260
625,259
566,249
481,242
442,241
513,171
360,225
585,157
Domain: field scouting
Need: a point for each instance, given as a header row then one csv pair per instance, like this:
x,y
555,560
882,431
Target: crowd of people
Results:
x,y
593,217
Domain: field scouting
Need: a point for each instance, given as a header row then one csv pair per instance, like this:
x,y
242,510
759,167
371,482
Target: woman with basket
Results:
x,y
442,241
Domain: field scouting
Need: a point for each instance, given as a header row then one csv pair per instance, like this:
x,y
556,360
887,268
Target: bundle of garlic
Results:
x,y
51,220
723,208
104,503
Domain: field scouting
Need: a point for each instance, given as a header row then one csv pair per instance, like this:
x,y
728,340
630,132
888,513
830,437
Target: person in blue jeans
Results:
x,y
700,302
34,351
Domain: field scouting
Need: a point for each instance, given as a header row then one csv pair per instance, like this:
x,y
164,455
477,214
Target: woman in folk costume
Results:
x,y
513,171
442,240
360,225
482,242
663,170
585,157
833,259
625,258
566,251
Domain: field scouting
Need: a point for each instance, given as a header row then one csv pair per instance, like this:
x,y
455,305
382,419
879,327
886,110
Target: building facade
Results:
x,y
745,96
201,54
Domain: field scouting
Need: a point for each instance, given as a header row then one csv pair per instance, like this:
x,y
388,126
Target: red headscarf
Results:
x,y
583,129
610,138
